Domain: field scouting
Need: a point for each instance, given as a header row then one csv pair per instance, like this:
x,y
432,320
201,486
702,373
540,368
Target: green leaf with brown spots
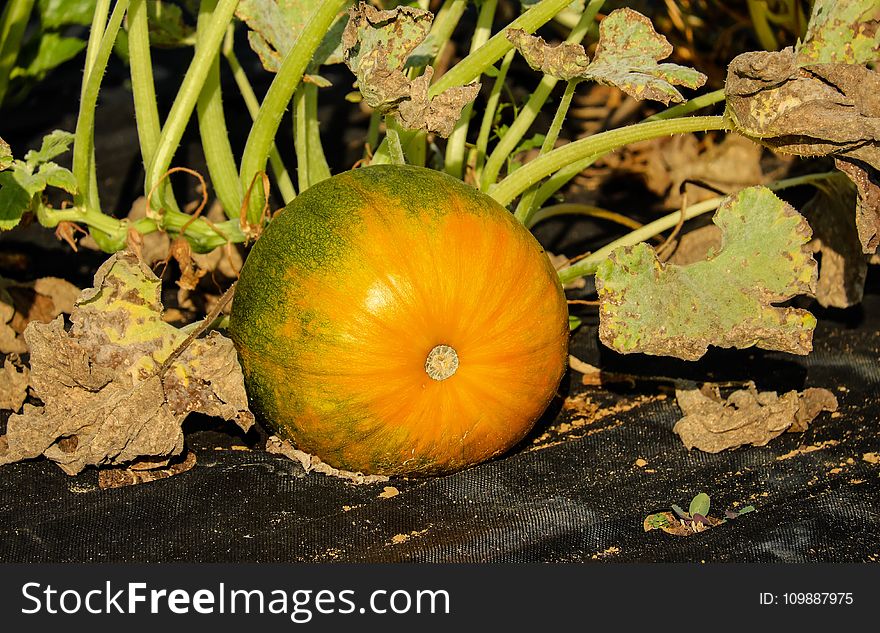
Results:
x,y
275,25
842,32
627,57
727,300
376,45
5,155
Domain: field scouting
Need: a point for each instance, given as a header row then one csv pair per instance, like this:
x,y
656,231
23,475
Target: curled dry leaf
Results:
x,y
313,463
144,472
435,114
626,57
22,302
376,46
843,267
785,101
748,416
726,300
13,386
105,400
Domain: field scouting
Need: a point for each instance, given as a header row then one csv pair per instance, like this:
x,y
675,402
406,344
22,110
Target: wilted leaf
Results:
x,y
13,386
843,267
846,32
817,109
106,398
565,61
626,57
867,181
54,144
275,26
436,114
143,472
312,463
700,505
376,45
727,300
22,302
814,109
748,416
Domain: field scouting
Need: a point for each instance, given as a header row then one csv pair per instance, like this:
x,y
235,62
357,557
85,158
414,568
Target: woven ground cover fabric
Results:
x,y
577,489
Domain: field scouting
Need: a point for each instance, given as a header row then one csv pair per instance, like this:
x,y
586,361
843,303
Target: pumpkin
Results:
x,y
394,320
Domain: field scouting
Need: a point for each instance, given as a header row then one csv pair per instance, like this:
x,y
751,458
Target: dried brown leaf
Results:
x,y
13,386
435,114
22,302
867,181
713,424
312,463
564,61
376,45
843,266
105,400
138,474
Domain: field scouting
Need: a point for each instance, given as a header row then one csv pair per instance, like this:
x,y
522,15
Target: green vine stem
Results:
x,y
282,175
456,145
479,155
588,265
476,63
564,175
212,128
526,176
188,94
758,13
277,98
311,164
13,22
507,145
84,138
392,134
527,203
697,103
142,85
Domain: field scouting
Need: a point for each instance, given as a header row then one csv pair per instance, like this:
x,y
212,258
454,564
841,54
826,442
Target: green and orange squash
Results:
x,y
394,320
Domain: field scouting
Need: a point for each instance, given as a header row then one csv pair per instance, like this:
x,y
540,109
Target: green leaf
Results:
x,y
5,155
657,520
626,57
846,32
58,13
275,26
699,505
54,144
32,183
57,176
53,51
573,323
14,201
727,300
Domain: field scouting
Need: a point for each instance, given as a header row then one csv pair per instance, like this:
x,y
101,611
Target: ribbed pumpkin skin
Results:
x,y
352,285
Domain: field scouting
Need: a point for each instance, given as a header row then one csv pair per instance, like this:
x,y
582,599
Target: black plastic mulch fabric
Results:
x,y
571,492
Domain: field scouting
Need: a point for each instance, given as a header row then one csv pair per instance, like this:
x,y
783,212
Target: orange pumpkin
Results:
x,y
394,320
